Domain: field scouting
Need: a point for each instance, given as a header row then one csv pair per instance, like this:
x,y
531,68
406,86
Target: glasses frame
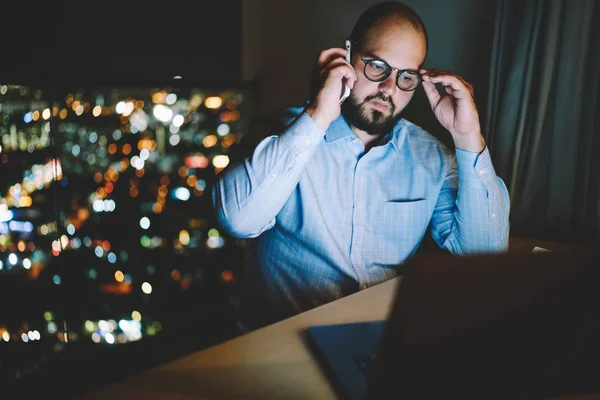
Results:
x,y
391,69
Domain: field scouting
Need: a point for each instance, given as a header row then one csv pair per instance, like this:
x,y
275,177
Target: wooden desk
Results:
x,y
270,363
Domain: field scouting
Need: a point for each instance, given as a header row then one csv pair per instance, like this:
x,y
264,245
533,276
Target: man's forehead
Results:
x,y
402,45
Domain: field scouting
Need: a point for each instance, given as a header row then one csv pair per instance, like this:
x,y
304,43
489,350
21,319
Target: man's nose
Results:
x,y
388,85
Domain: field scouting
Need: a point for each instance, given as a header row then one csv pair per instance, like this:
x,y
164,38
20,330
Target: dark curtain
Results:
x,y
543,116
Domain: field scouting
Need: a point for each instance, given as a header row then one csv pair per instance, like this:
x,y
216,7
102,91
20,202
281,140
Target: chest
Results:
x,y
342,174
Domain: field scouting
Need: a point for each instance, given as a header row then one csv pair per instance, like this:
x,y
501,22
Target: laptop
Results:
x,y
502,326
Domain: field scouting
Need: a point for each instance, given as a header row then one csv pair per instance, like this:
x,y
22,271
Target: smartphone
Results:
x,y
346,89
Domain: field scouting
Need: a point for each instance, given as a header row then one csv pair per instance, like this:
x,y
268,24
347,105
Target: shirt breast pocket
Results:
x,y
400,228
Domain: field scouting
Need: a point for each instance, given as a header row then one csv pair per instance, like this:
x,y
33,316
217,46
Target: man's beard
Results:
x,y
373,122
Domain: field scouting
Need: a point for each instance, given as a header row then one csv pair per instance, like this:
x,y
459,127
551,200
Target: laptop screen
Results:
x,y
492,326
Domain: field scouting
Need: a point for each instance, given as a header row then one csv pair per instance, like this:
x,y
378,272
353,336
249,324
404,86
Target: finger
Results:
x,y
342,69
446,76
460,78
338,76
432,93
436,71
431,73
424,75
327,55
459,88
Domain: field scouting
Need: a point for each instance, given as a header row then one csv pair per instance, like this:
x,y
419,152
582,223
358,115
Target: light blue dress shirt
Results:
x,y
329,219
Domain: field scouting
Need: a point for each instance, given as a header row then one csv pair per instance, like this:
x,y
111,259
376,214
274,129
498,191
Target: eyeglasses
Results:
x,y
378,70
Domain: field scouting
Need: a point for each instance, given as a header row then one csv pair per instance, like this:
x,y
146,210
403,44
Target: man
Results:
x,y
341,195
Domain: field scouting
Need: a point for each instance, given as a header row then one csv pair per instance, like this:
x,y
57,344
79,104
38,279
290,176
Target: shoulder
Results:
x,y
273,123
288,115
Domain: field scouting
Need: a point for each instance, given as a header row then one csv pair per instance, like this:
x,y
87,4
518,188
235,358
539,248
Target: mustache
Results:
x,y
382,97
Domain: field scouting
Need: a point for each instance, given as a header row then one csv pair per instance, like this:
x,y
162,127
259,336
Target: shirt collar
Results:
x,y
340,129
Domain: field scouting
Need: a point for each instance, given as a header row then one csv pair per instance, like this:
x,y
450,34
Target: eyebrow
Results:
x,y
371,55
375,56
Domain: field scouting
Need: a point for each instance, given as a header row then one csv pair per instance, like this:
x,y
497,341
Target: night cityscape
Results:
x,y
106,228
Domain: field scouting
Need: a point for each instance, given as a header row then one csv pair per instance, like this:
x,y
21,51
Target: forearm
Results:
x,y
249,195
480,222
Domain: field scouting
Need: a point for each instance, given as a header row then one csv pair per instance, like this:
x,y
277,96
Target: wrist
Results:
x,y
473,143
320,118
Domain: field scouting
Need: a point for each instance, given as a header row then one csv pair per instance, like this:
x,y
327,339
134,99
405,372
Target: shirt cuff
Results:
x,y
303,135
475,170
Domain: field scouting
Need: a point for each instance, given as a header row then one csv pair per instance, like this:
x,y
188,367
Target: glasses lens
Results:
x,y
408,80
377,70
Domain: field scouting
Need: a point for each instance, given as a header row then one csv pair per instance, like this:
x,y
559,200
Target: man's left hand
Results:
x,y
456,110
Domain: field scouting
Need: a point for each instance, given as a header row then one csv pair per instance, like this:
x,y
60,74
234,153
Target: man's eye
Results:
x,y
378,66
408,77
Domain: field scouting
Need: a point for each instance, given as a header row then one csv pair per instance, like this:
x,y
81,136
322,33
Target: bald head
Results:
x,y
385,15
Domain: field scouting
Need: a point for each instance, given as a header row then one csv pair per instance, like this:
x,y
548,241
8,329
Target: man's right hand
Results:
x,y
327,83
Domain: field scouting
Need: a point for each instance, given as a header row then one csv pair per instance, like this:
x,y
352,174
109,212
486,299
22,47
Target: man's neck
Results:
x,y
368,140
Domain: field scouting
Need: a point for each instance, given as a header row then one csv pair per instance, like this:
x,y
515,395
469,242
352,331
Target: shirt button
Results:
x,y
482,171
307,140
274,176
494,216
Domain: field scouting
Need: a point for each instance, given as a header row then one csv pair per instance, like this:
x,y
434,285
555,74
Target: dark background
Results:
x,y
121,42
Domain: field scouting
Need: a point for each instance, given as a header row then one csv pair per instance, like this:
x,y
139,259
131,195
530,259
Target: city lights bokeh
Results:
x,y
104,202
